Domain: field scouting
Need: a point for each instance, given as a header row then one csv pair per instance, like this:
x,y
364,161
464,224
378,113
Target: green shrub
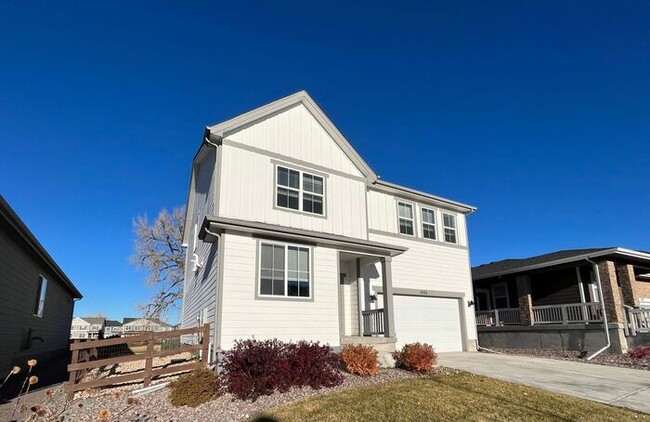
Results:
x,y
195,388
416,357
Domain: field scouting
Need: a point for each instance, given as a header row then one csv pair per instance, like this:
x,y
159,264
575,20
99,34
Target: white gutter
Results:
x,y
602,308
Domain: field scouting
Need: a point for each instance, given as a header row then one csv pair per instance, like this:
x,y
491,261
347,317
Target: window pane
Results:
x,y
293,288
449,220
303,259
283,176
266,286
429,231
278,258
292,258
293,200
405,210
405,226
307,202
283,198
294,179
267,256
278,287
318,205
304,289
500,303
308,182
499,290
428,216
450,235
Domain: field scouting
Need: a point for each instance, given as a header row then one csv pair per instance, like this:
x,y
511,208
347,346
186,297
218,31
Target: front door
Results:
x,y
482,298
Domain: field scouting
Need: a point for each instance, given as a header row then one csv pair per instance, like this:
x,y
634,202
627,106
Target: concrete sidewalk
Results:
x,y
616,386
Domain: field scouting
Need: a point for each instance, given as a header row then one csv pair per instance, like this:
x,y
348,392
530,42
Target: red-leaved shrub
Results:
x,y
416,357
640,352
255,368
360,360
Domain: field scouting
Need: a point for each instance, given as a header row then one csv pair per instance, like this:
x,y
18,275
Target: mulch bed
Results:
x,y
609,359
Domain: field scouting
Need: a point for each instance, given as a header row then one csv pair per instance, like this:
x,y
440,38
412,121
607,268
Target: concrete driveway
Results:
x,y
616,386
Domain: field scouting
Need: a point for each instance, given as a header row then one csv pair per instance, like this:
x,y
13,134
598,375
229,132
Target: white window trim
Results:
x,y
495,297
455,228
286,270
301,191
412,220
434,224
40,304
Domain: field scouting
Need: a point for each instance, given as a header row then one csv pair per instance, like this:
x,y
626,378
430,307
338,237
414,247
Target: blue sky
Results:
x,y
537,113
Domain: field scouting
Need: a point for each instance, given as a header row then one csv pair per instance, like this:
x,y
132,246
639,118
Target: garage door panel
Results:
x,y
431,320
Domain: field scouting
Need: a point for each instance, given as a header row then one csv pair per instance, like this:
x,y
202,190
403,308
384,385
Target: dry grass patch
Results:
x,y
451,397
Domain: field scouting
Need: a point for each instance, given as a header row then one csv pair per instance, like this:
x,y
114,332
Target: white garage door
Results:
x,y
431,320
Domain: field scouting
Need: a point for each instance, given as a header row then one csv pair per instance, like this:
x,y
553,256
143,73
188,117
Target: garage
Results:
x,y
425,319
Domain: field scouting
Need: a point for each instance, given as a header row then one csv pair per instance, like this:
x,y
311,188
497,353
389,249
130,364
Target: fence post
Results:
x,y
496,317
148,362
205,341
565,317
72,379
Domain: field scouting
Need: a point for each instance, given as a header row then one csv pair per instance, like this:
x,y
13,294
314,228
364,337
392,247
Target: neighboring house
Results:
x,y
112,328
37,297
87,327
291,235
555,296
142,325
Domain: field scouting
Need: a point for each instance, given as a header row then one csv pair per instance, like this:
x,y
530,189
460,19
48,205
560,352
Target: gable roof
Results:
x,y
9,215
223,129
155,320
113,323
94,320
512,266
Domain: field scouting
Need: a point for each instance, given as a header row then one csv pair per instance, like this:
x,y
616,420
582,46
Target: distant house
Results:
x,y
132,326
87,327
112,328
554,299
36,297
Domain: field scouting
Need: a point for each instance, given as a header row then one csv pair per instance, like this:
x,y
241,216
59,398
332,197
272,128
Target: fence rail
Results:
x,y
568,314
503,316
373,322
638,321
91,354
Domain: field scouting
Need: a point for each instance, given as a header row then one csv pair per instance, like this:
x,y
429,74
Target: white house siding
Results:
x,y
200,287
350,298
248,193
431,267
382,216
297,134
244,316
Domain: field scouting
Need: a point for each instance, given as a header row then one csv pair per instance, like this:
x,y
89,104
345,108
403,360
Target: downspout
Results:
x,y
216,294
602,309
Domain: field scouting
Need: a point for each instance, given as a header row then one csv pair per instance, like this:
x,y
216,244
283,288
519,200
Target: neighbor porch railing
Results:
x,y
638,321
504,316
373,322
573,313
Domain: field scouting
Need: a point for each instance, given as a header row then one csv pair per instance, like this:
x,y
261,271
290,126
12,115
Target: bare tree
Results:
x,y
159,251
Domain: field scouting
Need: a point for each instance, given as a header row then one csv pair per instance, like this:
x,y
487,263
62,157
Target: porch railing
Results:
x,y
373,322
504,316
638,321
567,314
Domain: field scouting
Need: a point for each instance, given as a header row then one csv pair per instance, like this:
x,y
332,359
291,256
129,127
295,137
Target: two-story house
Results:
x,y
131,326
87,327
291,235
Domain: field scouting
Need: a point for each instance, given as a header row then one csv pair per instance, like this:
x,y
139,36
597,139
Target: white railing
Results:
x,y
373,322
504,316
574,313
638,321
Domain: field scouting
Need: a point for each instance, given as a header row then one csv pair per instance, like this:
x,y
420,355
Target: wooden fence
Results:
x,y
90,354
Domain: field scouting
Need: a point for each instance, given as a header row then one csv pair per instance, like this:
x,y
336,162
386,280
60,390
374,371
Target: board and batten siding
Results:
x,y
350,298
382,216
19,279
200,286
431,267
248,193
245,317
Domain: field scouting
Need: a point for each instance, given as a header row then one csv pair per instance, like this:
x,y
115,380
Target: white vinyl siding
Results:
x,y
429,224
449,226
406,221
244,316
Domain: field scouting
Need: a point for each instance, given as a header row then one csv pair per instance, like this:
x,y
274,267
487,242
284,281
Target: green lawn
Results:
x,y
451,397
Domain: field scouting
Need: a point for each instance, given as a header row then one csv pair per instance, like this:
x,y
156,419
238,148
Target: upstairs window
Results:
x,y
41,292
449,224
301,191
284,271
428,224
405,216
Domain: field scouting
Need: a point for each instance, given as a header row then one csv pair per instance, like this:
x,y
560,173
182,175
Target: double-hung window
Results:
x,y
449,224
284,270
41,292
301,191
405,217
428,224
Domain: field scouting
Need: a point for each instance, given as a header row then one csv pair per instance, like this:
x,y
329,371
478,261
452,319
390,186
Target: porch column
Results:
x,y
524,293
626,278
613,300
387,285
360,296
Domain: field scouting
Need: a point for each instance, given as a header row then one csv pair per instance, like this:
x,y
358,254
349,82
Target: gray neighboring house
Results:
x,y
113,328
36,297
552,301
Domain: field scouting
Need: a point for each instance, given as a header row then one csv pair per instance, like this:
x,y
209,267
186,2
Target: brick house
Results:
x,y
560,289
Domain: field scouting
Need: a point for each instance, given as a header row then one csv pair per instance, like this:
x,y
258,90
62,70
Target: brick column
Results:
x,y
611,292
524,293
626,277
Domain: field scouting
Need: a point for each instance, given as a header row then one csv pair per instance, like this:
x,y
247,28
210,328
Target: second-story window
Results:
x,y
405,213
298,190
449,224
428,224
